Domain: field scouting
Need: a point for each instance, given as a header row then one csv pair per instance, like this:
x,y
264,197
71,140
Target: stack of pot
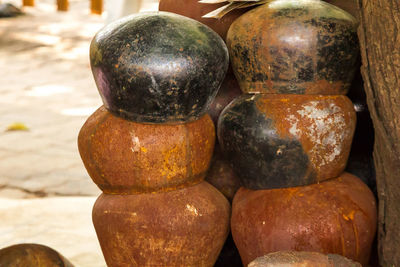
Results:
x,y
289,135
149,147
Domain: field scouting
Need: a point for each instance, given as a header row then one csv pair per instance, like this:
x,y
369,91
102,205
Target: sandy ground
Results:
x,y
46,84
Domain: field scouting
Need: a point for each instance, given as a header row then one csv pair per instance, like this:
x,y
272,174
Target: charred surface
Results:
x,y
294,47
275,141
158,67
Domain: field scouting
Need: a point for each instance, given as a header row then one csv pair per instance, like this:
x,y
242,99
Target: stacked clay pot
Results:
x,y
149,147
289,136
220,174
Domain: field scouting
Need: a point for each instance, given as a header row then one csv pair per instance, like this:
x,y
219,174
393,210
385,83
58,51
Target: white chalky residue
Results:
x,y
326,130
293,121
135,142
192,209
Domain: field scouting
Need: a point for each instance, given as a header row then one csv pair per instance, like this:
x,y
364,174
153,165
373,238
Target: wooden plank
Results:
x,y
28,2
62,5
96,6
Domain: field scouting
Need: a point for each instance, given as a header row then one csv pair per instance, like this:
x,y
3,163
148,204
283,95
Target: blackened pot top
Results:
x,y
294,47
158,67
279,141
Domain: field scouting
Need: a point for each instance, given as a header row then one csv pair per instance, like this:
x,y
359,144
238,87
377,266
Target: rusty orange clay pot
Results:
x,y
195,10
302,259
294,47
336,216
26,255
275,141
125,157
185,227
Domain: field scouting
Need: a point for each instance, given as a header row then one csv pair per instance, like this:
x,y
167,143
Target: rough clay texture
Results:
x,y
124,157
26,255
302,259
195,10
275,141
336,216
158,67
294,47
185,227
380,51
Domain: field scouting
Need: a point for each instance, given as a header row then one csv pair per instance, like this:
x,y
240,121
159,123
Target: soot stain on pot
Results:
x,y
158,68
287,67
260,157
337,46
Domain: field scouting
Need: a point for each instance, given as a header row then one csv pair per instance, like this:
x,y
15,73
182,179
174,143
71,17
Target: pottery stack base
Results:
x,y
156,210
288,138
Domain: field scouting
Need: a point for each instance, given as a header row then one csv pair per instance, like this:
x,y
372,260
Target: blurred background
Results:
x,y
46,94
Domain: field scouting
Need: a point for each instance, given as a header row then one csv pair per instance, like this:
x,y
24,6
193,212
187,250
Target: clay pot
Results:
x,y
294,47
195,10
302,259
229,90
124,157
222,176
336,216
185,227
23,255
158,67
275,141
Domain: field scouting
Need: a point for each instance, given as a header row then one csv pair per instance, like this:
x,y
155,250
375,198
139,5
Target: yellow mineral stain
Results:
x,y
349,216
356,237
291,192
143,149
341,236
170,169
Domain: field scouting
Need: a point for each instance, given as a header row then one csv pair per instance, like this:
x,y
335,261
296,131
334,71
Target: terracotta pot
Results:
x,y
275,141
302,259
229,90
222,176
185,227
336,216
124,157
158,67
24,255
294,47
195,10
